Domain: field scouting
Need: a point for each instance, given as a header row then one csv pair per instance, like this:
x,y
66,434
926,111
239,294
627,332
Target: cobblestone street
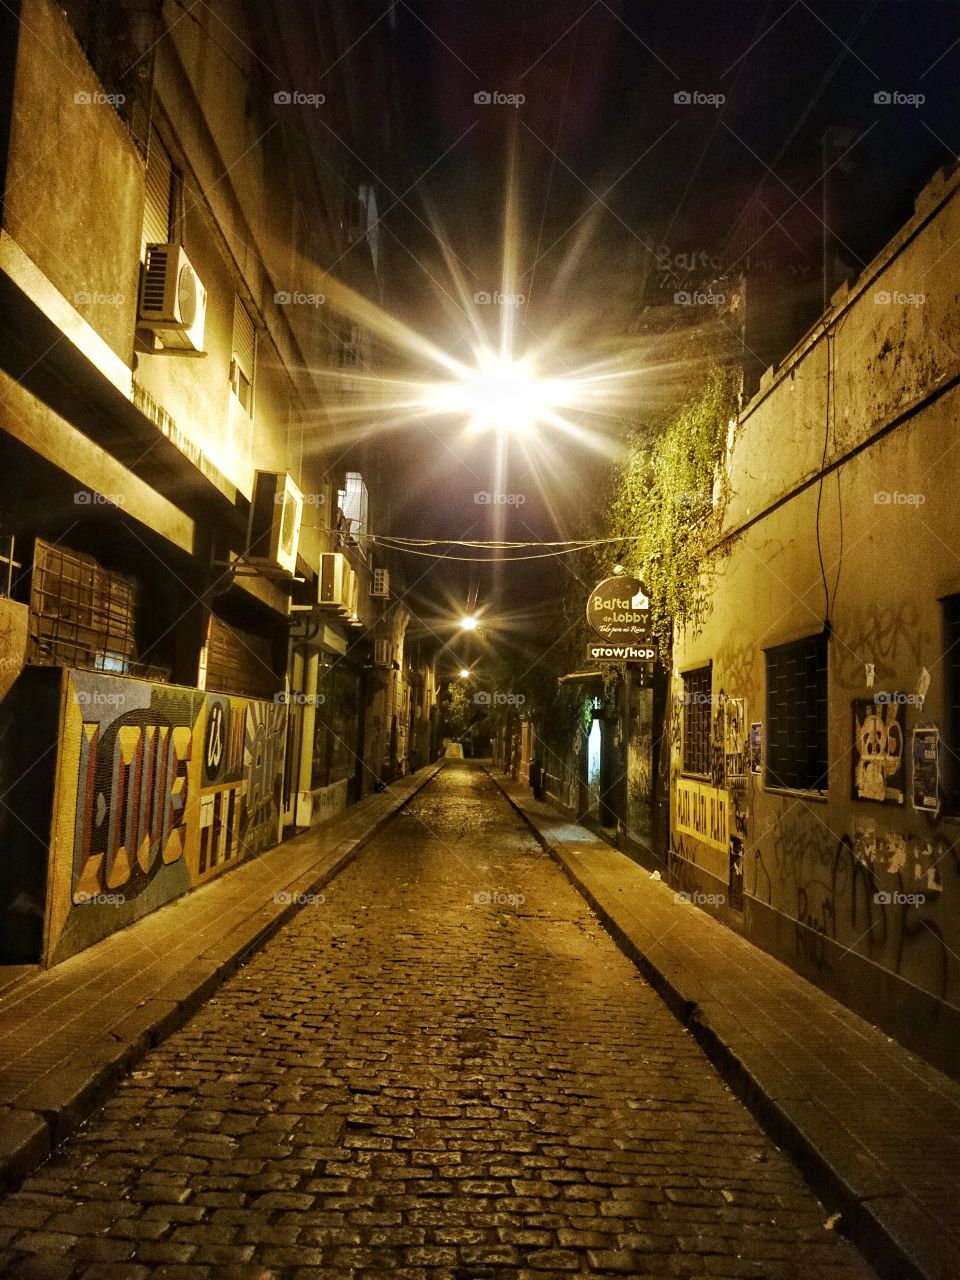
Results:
x,y
445,1068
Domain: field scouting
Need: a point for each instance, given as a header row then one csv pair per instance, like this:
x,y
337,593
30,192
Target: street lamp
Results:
x,y
468,623
464,674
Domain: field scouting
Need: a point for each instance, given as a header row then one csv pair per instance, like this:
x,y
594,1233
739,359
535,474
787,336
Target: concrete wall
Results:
x,y
861,896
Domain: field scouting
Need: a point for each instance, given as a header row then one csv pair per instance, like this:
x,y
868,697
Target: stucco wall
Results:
x,y
74,190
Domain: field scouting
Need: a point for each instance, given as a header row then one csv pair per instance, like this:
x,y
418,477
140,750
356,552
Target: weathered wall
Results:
x,y
861,895
74,189
14,623
159,788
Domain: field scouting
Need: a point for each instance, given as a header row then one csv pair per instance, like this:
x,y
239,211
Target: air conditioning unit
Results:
x,y
380,586
173,302
382,653
333,582
273,534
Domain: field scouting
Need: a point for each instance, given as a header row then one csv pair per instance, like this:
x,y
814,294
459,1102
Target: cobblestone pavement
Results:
x,y
445,1069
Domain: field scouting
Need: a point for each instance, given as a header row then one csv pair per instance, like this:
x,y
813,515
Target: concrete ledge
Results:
x,y
849,1105
49,1107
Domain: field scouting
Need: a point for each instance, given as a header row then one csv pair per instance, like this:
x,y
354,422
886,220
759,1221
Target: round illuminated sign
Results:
x,y
619,609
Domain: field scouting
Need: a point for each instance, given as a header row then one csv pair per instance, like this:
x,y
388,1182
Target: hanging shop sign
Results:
x,y
597,652
618,610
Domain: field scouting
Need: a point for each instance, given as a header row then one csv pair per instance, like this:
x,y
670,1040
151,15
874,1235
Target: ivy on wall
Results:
x,y
669,500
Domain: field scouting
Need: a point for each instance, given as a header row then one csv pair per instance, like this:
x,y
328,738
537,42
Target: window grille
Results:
x,y
697,701
119,38
244,355
797,715
951,648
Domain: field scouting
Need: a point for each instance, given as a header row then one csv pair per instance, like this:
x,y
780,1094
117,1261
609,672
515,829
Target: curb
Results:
x,y
30,1135
890,1257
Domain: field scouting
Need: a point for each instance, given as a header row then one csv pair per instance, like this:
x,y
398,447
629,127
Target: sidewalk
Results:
x,y
873,1127
68,1033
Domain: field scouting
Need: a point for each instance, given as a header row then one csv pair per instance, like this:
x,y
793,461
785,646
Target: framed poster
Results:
x,y
755,747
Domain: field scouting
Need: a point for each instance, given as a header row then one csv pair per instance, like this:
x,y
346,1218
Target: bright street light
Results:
x,y
468,623
464,674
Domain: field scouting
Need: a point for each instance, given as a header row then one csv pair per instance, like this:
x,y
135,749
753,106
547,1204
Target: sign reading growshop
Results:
x,y
618,610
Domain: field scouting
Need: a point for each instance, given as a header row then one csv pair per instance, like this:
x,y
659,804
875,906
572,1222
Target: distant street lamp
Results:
x,y
468,623
464,674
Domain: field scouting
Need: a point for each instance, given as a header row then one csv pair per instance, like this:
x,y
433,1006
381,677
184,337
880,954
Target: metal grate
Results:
x,y
951,638
118,38
797,715
81,615
239,662
696,721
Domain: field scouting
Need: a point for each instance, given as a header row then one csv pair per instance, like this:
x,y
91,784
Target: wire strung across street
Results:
x,y
419,546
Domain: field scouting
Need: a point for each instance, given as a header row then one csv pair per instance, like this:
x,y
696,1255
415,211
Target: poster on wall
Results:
x,y
878,762
755,747
926,769
734,756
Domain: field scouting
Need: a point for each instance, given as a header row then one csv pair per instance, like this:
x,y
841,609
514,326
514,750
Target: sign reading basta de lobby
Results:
x,y
618,610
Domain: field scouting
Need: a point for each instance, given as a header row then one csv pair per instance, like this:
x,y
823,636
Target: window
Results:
x,y
119,38
158,202
244,356
697,687
951,651
797,715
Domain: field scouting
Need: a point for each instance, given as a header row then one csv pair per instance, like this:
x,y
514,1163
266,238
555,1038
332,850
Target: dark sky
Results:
x,y
601,119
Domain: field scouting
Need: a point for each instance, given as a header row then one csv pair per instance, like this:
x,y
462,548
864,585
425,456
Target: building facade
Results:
x,y
815,717
188,596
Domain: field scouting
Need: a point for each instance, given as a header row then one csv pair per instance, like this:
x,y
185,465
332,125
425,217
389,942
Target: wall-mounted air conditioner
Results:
x,y
380,586
173,302
382,653
273,535
333,582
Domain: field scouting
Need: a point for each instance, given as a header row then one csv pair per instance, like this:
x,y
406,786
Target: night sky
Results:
x,y
600,119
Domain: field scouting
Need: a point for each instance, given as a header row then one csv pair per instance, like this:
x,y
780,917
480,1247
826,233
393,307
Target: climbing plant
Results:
x,y
669,498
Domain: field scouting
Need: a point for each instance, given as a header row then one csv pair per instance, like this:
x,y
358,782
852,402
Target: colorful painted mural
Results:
x,y
159,788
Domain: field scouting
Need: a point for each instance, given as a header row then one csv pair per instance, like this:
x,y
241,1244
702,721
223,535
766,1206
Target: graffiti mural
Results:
x,y
159,789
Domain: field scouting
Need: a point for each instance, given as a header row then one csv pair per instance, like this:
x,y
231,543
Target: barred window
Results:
x,y
797,715
951,650
697,687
